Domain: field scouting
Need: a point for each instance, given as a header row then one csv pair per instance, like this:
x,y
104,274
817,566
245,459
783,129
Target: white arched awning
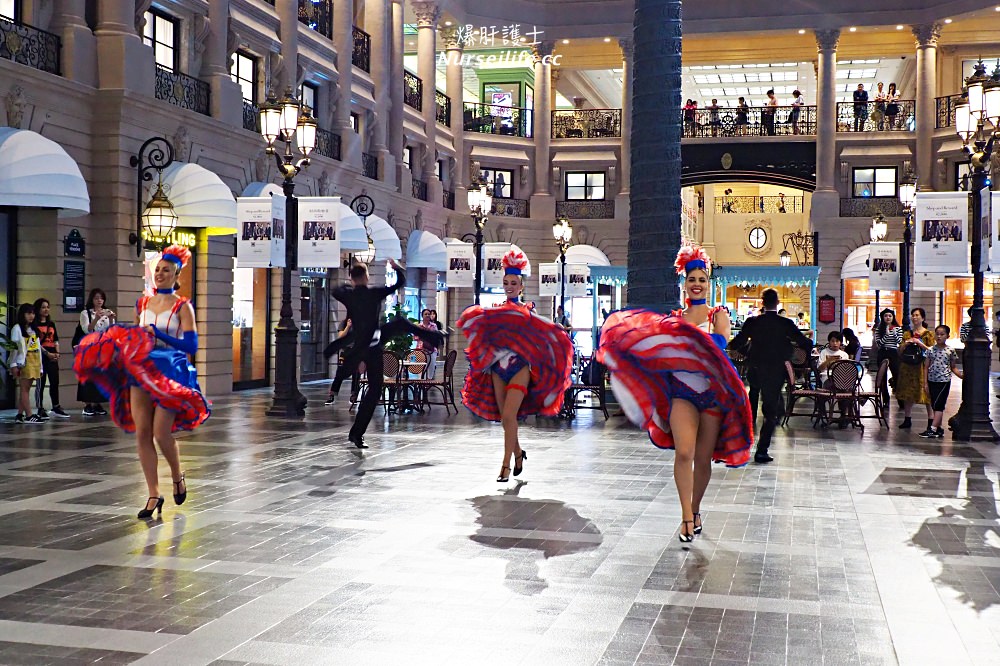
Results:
x,y
36,172
351,230
386,241
200,198
586,254
856,264
425,250
259,189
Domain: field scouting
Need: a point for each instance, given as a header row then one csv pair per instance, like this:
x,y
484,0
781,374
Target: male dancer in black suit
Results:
x,y
364,307
771,337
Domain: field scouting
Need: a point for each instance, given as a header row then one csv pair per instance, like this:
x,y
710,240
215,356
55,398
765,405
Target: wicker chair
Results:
x,y
445,385
818,397
874,396
845,380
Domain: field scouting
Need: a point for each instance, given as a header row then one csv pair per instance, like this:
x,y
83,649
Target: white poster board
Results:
x,y
319,238
883,266
256,246
577,277
548,280
493,264
460,265
928,282
994,232
942,233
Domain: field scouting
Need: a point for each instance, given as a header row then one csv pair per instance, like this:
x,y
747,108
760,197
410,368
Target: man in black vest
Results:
x,y
770,338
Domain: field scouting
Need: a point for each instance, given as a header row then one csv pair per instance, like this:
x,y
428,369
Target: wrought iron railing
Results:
x,y
251,115
182,90
586,210
876,116
509,207
493,119
369,165
413,90
586,123
448,199
419,189
361,57
870,206
29,46
328,143
443,105
944,110
318,15
749,121
753,205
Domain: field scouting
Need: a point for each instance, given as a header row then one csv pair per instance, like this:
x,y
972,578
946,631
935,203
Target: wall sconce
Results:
x,y
157,219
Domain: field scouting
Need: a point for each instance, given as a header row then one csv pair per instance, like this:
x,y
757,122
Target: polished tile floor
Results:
x,y
294,548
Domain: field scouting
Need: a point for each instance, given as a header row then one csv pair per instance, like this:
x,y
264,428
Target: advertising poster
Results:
x,y
253,242
492,264
461,272
987,229
927,282
995,232
941,233
577,277
883,266
278,239
548,280
319,242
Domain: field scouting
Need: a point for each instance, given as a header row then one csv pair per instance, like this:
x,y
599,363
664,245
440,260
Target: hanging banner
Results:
x,y
985,196
942,233
928,282
883,266
255,245
278,240
577,276
492,264
995,232
319,242
548,280
460,269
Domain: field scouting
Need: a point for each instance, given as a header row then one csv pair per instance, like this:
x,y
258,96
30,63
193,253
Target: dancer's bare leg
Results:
x,y
708,435
684,422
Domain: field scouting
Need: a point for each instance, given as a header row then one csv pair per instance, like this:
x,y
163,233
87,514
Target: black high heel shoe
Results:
x,y
686,537
502,478
697,526
520,459
147,512
180,497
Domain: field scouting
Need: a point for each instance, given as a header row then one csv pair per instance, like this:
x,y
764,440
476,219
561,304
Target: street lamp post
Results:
x,y
563,234
286,120
971,118
907,197
480,206
157,219
877,233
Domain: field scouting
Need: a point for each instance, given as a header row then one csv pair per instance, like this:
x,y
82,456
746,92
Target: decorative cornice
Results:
x,y
927,34
827,40
427,13
542,49
451,39
628,48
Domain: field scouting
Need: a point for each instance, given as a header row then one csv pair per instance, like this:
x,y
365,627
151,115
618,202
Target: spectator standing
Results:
x,y
26,362
49,337
879,112
432,351
911,389
860,108
95,317
742,116
891,107
887,338
798,102
713,117
939,367
767,115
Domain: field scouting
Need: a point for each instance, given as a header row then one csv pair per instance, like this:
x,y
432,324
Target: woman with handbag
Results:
x,y
911,387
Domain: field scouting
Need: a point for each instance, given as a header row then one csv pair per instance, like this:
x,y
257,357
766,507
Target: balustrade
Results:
x,y
443,104
876,116
870,206
318,15
586,123
419,189
369,165
251,115
29,46
448,199
361,57
182,90
753,204
751,121
494,119
586,210
328,143
944,110
509,207
413,90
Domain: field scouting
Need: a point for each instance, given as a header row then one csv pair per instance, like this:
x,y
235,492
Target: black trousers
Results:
x,y
754,392
50,372
891,355
372,358
770,382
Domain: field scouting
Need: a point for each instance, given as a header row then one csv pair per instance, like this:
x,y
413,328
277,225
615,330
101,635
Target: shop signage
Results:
x,y
460,268
827,309
260,242
928,282
74,245
577,276
942,232
186,239
883,266
74,292
548,280
319,239
493,264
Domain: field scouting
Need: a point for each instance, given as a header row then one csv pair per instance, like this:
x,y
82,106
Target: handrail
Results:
x,y
497,119
586,123
758,204
749,121
413,90
28,45
875,116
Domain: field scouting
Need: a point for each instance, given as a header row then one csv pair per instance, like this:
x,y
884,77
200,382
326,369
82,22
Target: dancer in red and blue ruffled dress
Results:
x,y
520,363
146,373
672,378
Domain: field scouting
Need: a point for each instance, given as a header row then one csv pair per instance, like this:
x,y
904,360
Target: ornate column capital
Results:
x,y
427,13
451,38
827,40
927,34
628,48
542,49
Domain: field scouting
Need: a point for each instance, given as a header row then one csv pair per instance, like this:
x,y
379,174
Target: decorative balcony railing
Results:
x,y
419,189
492,119
413,90
510,207
251,115
443,104
369,165
944,110
751,121
448,199
328,143
870,206
361,57
318,15
754,205
896,116
182,90
29,46
586,123
586,210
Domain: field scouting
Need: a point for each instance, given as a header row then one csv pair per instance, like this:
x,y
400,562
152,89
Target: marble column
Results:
x,y
282,70
343,42
625,171
826,200
227,98
454,90
77,59
396,114
927,36
543,121
123,61
378,25
428,14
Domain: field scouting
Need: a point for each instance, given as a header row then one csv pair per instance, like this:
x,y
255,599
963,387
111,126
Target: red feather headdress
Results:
x,y
691,257
177,254
514,262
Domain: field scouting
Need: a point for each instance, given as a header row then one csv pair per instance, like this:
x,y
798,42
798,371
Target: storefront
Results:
x,y
251,327
740,287
861,303
608,287
958,299
314,322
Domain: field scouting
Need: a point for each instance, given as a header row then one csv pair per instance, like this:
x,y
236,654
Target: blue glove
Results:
x,y
188,344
